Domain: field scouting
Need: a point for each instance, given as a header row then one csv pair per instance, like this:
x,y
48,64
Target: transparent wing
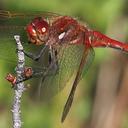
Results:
x,y
11,14
11,24
86,61
69,58
8,51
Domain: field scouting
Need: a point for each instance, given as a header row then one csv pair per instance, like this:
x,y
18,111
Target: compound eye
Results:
x,y
31,31
41,25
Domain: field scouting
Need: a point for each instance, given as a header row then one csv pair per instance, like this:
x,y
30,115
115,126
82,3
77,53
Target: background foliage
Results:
x,y
101,98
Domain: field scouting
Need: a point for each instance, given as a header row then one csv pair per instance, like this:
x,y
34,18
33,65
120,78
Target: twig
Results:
x,y
19,88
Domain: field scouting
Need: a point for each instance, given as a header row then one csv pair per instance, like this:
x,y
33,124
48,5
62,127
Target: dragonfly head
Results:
x,y
38,31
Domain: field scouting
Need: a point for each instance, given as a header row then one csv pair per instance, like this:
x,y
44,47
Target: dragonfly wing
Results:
x,y
86,61
12,23
11,14
8,57
69,58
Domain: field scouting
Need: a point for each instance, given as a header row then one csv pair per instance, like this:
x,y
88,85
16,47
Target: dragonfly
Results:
x,y
66,44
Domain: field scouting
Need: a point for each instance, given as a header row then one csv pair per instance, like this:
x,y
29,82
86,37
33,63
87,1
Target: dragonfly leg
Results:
x,y
30,73
35,57
53,62
52,69
43,72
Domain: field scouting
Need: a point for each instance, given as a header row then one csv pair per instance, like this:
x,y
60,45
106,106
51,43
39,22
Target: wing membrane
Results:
x,y
12,23
9,14
86,61
69,57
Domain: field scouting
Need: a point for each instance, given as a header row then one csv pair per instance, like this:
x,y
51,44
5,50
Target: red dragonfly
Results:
x,y
67,44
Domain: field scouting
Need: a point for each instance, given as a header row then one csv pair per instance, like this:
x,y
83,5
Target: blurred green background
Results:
x,y
101,97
